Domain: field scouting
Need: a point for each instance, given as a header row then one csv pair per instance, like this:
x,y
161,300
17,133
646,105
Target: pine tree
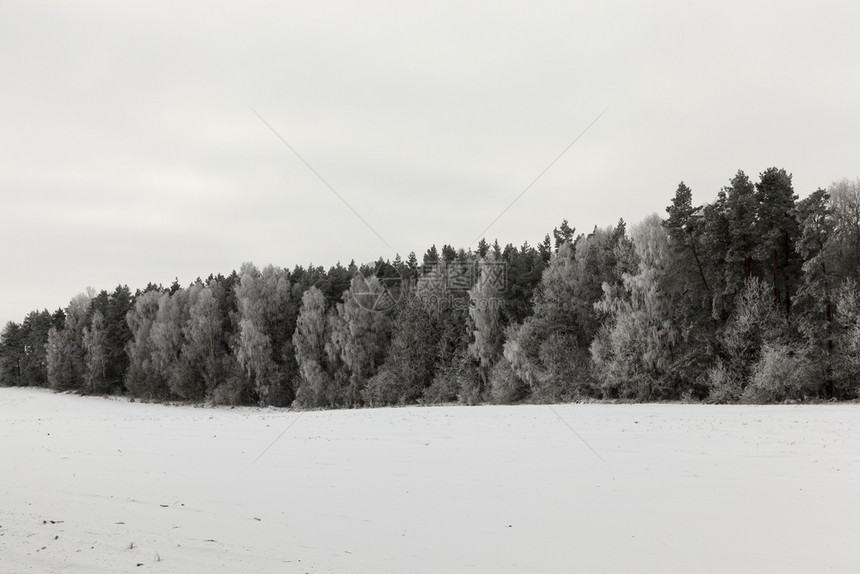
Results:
x,y
778,230
544,248
11,353
483,248
563,234
431,257
118,335
684,227
33,359
741,210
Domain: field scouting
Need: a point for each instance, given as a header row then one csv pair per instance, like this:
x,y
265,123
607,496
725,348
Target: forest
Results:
x,y
753,298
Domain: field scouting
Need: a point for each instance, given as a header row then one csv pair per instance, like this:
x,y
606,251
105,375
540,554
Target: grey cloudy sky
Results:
x,y
129,151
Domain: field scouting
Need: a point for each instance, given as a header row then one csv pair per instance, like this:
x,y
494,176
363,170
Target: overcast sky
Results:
x,y
130,150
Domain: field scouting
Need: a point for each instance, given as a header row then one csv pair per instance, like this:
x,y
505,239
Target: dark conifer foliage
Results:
x,y
752,297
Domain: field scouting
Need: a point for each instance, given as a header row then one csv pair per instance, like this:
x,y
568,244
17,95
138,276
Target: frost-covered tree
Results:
x,y
845,200
847,361
96,355
781,373
755,322
410,363
636,350
205,344
484,303
266,324
144,378
65,354
549,351
170,346
317,387
360,334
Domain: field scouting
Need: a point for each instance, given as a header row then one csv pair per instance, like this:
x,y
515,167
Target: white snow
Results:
x,y
104,485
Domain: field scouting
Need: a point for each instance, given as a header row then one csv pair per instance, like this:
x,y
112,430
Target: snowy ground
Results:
x,y
99,485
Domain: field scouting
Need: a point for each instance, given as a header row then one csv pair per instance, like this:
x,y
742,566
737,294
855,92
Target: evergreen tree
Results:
x,y
410,363
684,227
412,265
778,230
483,248
118,335
523,269
563,234
741,213
431,257
34,337
545,249
11,353
815,295
436,340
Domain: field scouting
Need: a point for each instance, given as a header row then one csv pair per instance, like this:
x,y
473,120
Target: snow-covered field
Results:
x,y
100,485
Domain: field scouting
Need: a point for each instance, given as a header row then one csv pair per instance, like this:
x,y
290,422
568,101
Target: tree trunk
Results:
x,y
701,271
776,292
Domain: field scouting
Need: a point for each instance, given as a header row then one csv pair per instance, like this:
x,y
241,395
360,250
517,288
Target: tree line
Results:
x,y
751,298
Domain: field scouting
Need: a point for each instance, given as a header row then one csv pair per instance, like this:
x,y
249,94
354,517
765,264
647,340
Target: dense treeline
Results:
x,y
753,297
